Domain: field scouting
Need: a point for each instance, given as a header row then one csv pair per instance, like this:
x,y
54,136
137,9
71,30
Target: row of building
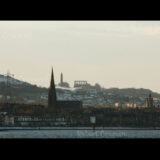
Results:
x,y
54,105
149,103
32,121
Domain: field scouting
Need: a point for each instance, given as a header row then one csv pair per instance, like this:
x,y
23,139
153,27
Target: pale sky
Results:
x,y
121,54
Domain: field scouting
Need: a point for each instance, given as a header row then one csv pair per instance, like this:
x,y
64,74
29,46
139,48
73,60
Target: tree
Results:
x,y
97,86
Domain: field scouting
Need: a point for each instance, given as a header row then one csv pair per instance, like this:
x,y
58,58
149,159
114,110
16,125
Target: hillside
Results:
x,y
134,92
26,91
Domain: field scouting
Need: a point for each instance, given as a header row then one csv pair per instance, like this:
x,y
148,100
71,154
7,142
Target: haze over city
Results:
x,y
121,54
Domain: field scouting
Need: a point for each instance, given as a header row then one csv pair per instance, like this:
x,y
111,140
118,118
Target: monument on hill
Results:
x,y
62,83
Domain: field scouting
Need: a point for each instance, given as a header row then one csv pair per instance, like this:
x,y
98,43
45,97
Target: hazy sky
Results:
x,y
111,53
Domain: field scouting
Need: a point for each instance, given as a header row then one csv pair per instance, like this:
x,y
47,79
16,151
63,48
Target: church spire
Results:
x,y
52,80
52,98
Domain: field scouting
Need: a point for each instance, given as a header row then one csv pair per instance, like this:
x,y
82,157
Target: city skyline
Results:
x,y
111,53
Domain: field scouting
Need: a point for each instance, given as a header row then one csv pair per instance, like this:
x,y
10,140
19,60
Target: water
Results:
x,y
45,134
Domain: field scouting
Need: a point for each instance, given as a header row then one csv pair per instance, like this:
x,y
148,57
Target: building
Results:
x,y
69,104
54,103
9,121
80,84
52,98
149,101
116,105
40,121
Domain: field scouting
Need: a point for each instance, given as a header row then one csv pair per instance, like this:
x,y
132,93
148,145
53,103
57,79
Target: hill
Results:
x,y
25,91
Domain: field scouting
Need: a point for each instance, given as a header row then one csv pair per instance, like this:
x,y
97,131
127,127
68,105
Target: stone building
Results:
x,y
149,101
52,99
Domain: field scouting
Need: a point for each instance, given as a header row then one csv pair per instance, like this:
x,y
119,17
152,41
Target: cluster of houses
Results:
x,y
7,120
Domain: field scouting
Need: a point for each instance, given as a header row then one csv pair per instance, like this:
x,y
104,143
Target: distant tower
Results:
x,y
52,98
61,78
149,102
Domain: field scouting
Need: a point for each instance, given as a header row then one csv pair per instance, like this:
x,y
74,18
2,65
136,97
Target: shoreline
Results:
x,y
77,128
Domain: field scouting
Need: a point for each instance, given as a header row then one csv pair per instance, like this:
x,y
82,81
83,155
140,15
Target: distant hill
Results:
x,y
135,92
23,89
3,79
19,88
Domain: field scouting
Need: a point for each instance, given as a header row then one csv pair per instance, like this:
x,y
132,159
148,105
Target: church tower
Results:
x,y
149,101
52,98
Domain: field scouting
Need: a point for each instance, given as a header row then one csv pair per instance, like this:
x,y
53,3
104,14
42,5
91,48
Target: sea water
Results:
x,y
45,134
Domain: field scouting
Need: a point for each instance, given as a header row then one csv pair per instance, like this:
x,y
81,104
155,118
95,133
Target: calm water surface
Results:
x,y
80,134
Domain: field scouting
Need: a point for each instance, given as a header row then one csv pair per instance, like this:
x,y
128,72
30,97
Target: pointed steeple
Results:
x,y
52,98
52,79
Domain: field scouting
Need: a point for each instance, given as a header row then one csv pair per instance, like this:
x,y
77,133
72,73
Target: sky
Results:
x,y
121,54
